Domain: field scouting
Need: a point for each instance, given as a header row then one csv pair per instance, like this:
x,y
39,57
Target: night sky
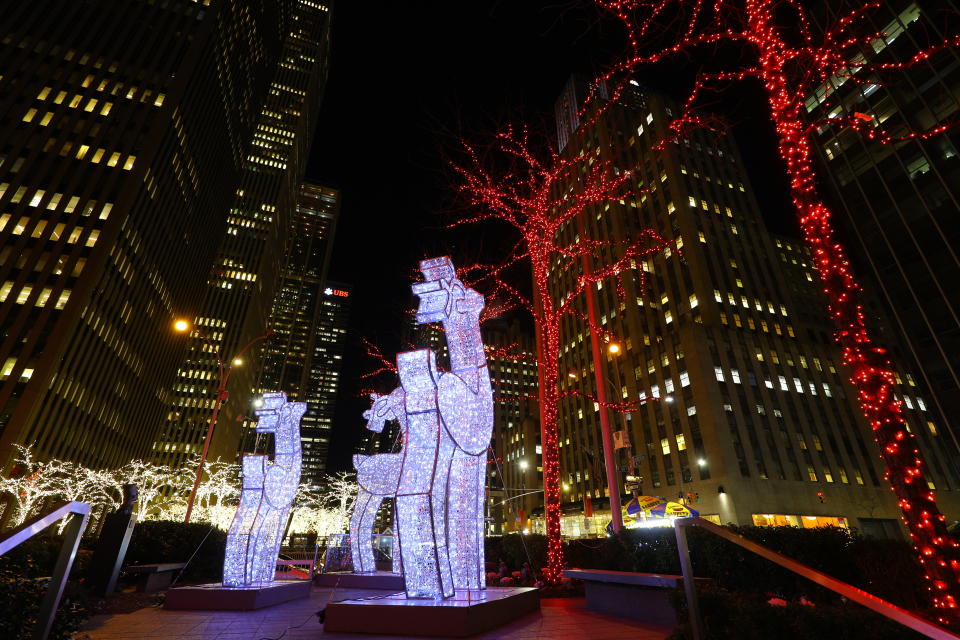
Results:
x,y
406,81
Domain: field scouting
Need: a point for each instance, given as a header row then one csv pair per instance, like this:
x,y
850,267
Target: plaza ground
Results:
x,y
558,619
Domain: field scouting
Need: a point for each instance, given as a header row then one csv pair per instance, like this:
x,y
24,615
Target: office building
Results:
x,y
125,126
243,281
514,478
897,203
743,409
309,318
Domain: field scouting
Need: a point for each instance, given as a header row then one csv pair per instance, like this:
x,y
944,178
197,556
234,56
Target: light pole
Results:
x,y
614,349
182,326
523,464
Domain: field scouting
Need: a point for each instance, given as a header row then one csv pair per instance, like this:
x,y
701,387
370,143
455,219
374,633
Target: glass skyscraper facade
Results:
x,y
125,126
250,260
309,317
897,203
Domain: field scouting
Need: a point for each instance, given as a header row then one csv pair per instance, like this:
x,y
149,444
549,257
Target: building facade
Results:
x,y
125,127
742,408
243,281
309,319
897,202
514,477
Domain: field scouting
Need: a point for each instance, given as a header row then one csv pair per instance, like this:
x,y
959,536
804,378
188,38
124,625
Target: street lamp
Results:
x,y
181,326
614,349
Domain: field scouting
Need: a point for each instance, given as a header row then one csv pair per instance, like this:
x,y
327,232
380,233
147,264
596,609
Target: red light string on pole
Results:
x,y
791,64
525,183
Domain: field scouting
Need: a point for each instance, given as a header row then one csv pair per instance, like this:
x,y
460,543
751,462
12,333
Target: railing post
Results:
x,y
68,552
689,586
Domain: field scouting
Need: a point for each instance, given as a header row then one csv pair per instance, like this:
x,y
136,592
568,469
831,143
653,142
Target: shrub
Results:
x,y
731,616
886,568
21,594
515,549
159,541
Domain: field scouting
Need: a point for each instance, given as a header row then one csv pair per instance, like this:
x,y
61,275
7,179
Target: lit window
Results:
x,y
718,372
693,301
665,446
114,158
681,442
92,238
129,163
735,376
684,379
691,410
97,155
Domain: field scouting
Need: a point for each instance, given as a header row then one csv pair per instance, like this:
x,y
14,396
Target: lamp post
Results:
x,y
614,349
523,464
182,326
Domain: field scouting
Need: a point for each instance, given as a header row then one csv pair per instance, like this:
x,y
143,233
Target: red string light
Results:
x,y
525,183
791,63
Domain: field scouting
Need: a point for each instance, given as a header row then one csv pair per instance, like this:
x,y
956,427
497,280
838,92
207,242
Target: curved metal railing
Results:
x,y
881,606
68,552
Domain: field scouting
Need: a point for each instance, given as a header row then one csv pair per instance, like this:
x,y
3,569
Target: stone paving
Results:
x,y
558,619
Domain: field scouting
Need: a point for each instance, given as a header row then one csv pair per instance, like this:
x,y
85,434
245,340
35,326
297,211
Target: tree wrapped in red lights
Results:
x,y
521,181
777,46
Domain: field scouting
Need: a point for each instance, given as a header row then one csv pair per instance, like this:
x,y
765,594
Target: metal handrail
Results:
x,y
68,552
884,608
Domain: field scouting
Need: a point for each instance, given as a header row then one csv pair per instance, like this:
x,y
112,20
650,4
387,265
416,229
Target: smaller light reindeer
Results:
x,y
378,477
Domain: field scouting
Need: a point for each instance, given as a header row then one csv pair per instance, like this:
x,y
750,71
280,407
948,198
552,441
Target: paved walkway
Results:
x,y
558,619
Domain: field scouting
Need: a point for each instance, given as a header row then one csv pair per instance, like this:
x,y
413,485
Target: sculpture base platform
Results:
x,y
346,580
216,597
466,614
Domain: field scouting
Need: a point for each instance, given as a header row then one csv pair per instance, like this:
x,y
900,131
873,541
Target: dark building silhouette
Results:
x,y
309,317
249,263
125,127
898,202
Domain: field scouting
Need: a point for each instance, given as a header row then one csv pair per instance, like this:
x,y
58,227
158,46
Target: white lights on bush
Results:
x,y
253,542
447,422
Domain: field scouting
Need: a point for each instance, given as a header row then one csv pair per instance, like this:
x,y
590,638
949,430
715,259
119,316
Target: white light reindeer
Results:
x,y
448,422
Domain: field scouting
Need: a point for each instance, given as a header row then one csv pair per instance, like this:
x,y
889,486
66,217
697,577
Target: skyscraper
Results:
x,y
898,202
743,408
125,125
515,476
243,281
309,318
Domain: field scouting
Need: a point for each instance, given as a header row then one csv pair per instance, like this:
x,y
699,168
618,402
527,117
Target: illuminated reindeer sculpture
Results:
x,y
378,477
253,542
447,428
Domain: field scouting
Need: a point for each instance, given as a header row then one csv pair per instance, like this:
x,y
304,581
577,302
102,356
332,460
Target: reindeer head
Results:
x,y
442,295
383,409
